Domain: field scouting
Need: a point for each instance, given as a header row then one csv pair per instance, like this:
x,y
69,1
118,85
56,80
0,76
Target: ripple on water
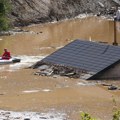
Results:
x,y
86,84
26,61
35,91
2,68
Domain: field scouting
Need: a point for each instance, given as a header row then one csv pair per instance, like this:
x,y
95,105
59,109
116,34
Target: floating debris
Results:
x,y
112,87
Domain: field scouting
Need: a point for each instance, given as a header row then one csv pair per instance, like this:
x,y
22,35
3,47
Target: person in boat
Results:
x,y
6,55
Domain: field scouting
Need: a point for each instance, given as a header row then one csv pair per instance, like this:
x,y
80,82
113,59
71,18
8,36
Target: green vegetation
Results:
x,y
86,116
5,8
116,115
116,112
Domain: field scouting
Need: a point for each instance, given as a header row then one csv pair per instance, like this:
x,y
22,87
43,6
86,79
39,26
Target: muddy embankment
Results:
x,y
25,12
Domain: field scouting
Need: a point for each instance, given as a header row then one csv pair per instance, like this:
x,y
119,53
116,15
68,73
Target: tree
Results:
x,y
5,8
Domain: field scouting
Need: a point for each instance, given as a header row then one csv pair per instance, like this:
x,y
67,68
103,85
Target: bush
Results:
x,y
86,116
116,115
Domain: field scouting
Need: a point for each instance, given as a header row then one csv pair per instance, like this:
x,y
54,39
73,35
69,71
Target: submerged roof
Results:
x,y
90,56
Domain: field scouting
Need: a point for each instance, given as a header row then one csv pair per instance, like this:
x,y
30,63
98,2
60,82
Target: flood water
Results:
x,y
21,90
44,39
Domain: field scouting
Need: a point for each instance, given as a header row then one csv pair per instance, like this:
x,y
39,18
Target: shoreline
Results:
x,y
20,29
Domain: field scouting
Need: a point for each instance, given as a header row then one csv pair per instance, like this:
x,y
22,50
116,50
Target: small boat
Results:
x,y
11,60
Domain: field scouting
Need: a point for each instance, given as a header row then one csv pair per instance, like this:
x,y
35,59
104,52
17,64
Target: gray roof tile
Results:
x,y
86,55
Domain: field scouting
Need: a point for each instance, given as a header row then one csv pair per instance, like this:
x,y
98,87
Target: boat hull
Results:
x,y
12,60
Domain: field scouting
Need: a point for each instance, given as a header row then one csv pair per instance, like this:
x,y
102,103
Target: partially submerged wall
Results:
x,y
113,73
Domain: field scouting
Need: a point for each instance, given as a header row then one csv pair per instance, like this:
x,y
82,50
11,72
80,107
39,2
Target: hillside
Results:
x,y
25,12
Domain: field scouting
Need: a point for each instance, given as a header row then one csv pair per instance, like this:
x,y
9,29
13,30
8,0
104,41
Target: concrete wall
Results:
x,y
112,74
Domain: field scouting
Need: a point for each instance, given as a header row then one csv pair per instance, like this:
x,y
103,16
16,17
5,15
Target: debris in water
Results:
x,y
104,84
112,87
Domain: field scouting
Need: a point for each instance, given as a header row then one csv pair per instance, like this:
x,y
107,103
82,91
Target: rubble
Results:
x,y
53,70
101,4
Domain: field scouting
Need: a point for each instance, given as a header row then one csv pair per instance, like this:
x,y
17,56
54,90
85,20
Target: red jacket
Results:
x,y
6,55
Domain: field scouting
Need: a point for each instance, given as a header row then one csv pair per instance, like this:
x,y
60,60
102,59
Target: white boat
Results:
x,y
11,60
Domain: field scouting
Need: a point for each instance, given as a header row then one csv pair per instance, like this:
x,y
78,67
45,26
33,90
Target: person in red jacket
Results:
x,y
6,55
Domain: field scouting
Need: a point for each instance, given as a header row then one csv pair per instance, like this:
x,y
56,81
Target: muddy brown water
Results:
x,y
21,90
59,34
